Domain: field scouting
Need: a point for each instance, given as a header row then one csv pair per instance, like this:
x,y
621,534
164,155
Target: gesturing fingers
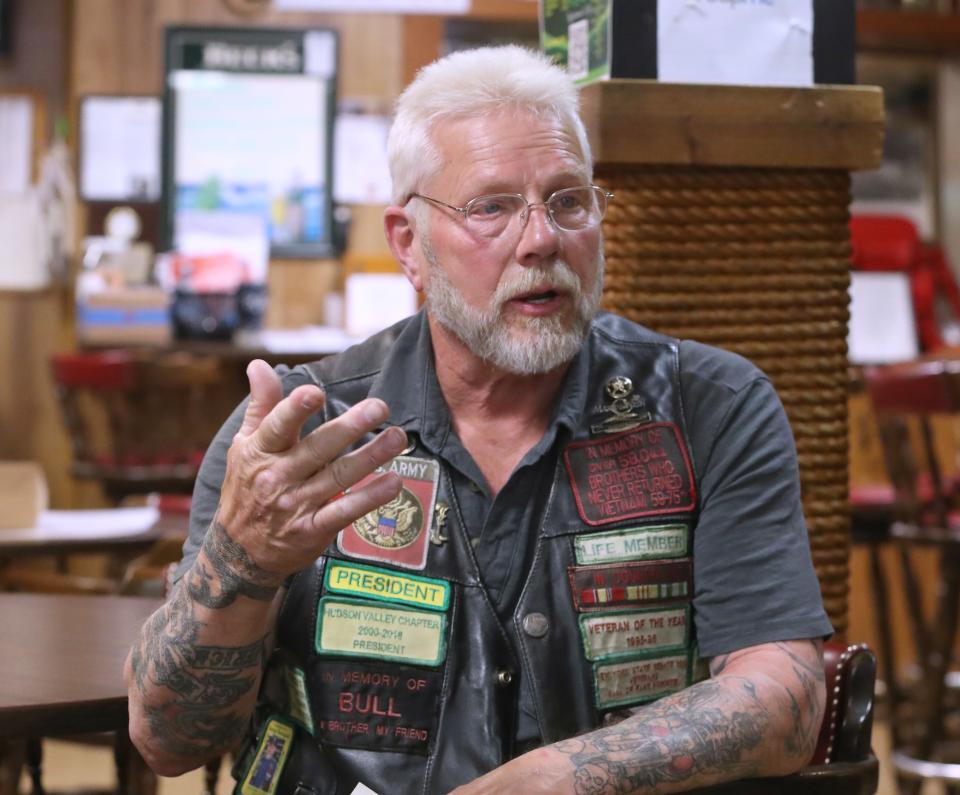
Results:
x,y
334,516
324,444
265,393
280,429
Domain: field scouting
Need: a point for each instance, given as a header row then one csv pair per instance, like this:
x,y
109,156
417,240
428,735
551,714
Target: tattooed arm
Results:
x,y
758,715
194,672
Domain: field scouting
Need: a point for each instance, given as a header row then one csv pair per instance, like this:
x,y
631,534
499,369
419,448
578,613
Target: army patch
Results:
x,y
631,584
379,707
263,775
643,472
637,681
608,635
396,532
369,629
633,543
297,698
354,579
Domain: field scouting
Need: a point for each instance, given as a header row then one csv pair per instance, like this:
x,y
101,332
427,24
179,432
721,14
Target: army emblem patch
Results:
x,y
397,531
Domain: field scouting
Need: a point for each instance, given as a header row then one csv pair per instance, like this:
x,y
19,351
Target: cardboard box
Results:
x,y
601,39
23,494
125,316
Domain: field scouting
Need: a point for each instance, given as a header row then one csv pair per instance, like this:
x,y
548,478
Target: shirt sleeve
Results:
x,y
754,580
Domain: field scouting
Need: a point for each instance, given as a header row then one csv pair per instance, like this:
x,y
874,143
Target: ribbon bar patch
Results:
x,y
358,580
644,472
368,629
628,584
637,681
607,635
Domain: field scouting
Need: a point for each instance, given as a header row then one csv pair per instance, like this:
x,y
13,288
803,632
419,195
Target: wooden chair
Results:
x,y
139,424
908,399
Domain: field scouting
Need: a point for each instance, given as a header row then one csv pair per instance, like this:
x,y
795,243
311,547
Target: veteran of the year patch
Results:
x,y
397,531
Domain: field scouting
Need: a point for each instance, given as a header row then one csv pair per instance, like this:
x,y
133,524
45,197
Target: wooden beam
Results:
x,y
911,32
643,121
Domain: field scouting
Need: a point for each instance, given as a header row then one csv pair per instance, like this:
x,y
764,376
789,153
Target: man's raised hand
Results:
x,y
284,498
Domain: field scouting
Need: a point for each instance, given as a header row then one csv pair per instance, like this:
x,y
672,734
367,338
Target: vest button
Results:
x,y
535,625
504,678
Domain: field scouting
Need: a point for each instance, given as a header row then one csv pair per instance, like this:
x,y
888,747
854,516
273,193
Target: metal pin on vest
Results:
x,y
440,510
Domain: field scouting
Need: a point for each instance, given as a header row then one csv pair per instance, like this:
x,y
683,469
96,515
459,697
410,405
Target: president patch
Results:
x,y
377,706
354,579
396,532
643,472
368,629
630,584
609,635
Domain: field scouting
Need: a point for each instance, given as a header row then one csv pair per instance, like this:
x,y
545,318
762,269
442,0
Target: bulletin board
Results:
x,y
248,136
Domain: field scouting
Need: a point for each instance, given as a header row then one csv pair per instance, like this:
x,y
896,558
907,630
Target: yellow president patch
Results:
x,y
354,579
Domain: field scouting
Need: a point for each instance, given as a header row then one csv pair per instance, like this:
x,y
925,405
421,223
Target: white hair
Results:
x,y
475,83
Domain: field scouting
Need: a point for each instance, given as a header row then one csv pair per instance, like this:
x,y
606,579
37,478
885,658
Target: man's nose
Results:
x,y
539,237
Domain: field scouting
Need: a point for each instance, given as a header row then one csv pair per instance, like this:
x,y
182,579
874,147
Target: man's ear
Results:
x,y
402,238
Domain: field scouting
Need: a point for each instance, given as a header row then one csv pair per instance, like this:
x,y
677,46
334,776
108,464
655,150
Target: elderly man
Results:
x,y
486,549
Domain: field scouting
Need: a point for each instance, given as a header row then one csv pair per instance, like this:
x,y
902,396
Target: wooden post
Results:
x,y
729,226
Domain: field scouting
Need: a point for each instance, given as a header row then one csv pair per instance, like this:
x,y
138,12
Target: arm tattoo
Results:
x,y
238,575
675,739
202,716
804,707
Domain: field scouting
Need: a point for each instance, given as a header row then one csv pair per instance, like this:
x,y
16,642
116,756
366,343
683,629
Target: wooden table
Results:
x,y
61,662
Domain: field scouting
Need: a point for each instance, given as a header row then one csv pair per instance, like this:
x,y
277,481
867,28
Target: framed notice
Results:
x,y
248,136
120,148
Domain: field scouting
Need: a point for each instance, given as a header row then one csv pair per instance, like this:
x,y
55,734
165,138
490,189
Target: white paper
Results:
x,y
86,524
361,174
16,144
362,789
374,301
23,264
882,328
735,42
377,6
120,148
308,340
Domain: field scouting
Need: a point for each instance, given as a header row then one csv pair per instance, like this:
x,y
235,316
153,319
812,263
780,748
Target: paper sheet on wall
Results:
x,y
360,171
377,6
16,144
735,42
882,327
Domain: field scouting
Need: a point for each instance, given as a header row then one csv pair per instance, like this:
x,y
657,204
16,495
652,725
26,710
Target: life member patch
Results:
x,y
397,532
381,707
636,681
633,543
643,472
353,579
608,635
368,629
263,775
630,584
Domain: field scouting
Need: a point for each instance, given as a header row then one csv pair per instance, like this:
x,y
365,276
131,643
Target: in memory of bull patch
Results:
x,y
354,579
263,775
397,532
633,543
630,584
642,472
369,629
632,632
380,707
636,681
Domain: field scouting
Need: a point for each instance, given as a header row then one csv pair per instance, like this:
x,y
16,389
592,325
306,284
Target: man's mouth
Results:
x,y
538,298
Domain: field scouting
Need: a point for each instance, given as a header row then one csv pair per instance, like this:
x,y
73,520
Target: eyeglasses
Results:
x,y
570,209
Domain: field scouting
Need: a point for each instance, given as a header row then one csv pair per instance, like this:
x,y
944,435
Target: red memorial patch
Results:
x,y
642,472
631,584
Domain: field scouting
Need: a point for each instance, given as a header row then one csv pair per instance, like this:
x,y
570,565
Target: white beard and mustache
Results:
x,y
554,340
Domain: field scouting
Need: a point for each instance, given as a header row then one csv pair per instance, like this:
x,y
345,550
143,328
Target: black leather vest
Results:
x,y
603,621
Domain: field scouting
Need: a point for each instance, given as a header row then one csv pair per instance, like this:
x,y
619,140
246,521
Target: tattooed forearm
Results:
x,y
673,740
206,688
805,704
236,573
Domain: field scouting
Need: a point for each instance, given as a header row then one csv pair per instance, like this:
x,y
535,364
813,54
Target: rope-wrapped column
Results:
x,y
755,260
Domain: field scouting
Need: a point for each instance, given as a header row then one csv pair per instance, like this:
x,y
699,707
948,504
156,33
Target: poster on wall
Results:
x,y
248,137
